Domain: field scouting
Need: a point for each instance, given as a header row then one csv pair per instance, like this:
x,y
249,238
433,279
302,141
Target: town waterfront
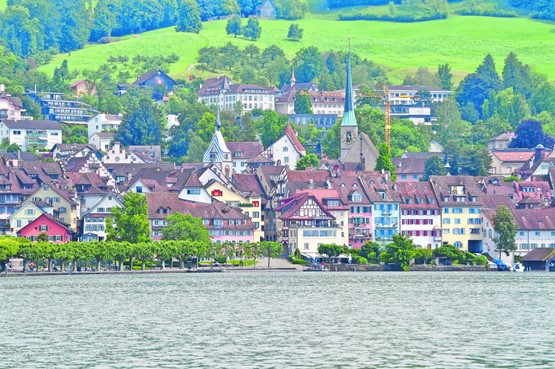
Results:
x,y
279,320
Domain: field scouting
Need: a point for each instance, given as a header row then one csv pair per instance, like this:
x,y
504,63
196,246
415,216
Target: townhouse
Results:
x,y
420,214
461,211
311,218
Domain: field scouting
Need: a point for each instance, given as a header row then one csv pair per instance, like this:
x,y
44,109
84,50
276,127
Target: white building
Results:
x,y
102,140
287,150
103,123
42,134
225,95
420,214
94,220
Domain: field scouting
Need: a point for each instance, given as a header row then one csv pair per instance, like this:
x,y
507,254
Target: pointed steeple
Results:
x,y
349,118
293,79
218,121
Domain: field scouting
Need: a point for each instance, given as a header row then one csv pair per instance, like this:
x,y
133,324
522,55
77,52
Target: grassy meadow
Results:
x,y
401,47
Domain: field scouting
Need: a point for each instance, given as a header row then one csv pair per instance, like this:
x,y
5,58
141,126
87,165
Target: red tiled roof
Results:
x,y
513,156
539,254
249,149
293,138
535,219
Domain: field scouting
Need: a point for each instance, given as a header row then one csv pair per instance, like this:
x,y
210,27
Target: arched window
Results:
x,y
458,244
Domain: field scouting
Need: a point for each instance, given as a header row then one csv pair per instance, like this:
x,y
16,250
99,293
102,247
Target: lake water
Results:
x,y
279,320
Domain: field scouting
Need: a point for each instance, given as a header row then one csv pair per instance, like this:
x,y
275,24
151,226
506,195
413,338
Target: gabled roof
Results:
x,y
513,156
409,165
290,134
145,77
49,217
247,183
213,86
249,149
539,254
32,124
535,219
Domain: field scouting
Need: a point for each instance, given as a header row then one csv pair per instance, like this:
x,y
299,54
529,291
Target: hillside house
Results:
x,y
42,134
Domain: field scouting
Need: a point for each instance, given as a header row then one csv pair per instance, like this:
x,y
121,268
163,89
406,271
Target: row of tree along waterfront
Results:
x,y
121,255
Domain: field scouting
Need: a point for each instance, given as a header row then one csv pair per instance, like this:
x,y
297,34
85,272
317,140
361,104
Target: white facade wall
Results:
x,y
94,220
28,137
428,224
195,194
284,153
12,112
102,144
99,123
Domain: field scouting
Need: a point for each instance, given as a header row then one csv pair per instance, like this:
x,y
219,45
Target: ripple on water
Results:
x,y
279,320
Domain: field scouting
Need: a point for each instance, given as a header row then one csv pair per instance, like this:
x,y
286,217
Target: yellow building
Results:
x,y
249,203
64,207
461,208
28,212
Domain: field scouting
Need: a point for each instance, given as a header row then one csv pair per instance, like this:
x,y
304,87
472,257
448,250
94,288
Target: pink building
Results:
x,y
353,195
57,231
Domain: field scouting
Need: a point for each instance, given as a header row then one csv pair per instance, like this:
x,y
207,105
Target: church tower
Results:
x,y
218,152
349,127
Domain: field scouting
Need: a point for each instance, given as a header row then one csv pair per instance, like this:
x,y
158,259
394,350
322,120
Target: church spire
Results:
x,y
218,121
293,79
349,118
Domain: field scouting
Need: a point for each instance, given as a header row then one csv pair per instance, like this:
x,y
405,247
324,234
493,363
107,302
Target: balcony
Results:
x,y
386,226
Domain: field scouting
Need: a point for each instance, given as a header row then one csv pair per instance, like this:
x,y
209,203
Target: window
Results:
x,y
193,192
537,233
286,160
30,212
285,149
217,193
306,246
457,220
62,210
446,221
458,244
139,189
256,214
218,223
256,204
43,228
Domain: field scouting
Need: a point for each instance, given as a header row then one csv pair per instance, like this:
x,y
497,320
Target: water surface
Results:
x,y
279,320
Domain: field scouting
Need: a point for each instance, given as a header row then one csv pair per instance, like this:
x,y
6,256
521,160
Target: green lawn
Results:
x,y
402,47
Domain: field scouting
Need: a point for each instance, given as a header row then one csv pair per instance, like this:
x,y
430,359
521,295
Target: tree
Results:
x,y
130,223
253,251
302,103
252,30
295,33
185,227
434,166
544,99
271,249
401,251
270,127
189,17
529,134
445,76
384,161
233,26
142,124
309,64
476,87
371,251
331,249
8,248
505,230
450,252
306,161
291,9
517,76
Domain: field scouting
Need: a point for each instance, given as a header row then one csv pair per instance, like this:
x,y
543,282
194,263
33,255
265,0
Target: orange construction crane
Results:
x,y
387,117
383,97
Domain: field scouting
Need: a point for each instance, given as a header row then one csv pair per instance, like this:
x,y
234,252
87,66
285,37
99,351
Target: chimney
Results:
x,y
539,153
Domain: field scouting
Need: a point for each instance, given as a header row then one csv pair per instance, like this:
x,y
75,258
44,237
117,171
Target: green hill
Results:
x,y
402,47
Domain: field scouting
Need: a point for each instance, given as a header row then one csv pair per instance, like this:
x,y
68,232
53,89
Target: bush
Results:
x,y
388,18
359,260
221,259
481,260
297,261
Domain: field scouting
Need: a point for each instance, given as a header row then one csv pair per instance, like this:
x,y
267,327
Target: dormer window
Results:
x,y
356,197
408,201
